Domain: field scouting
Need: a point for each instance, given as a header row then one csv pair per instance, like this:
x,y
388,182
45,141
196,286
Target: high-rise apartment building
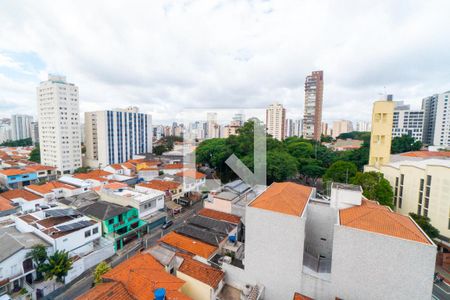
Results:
x,y
59,124
20,127
34,127
275,120
240,117
115,136
407,121
436,120
5,133
312,118
362,126
380,139
341,126
213,128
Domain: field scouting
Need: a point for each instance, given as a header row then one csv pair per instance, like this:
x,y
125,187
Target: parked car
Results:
x,y
167,224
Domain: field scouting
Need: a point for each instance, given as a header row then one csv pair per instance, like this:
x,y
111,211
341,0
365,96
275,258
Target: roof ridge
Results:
x,y
405,227
360,216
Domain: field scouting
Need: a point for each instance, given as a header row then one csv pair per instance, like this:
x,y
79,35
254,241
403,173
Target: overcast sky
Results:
x,y
168,56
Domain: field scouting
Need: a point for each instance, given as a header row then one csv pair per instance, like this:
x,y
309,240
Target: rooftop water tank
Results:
x,y
160,294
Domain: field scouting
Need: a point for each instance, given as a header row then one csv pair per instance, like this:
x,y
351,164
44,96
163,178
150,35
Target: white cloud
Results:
x,y
171,55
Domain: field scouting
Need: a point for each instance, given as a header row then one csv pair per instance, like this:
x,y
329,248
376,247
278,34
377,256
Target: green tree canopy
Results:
x,y
160,149
100,270
405,143
18,143
35,155
57,266
340,171
38,254
424,223
375,187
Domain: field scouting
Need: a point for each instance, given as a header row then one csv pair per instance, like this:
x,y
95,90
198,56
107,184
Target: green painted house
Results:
x,y
119,223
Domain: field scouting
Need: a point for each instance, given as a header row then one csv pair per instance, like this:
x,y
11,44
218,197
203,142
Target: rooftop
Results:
x,y
160,185
103,210
371,216
202,234
141,275
200,271
298,296
15,172
426,154
173,166
191,174
15,194
5,204
188,244
49,187
107,291
12,241
284,197
217,215
41,168
141,197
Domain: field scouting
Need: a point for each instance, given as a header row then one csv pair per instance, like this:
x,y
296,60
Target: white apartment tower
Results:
x,y
436,130
213,128
115,136
407,121
59,124
20,127
275,120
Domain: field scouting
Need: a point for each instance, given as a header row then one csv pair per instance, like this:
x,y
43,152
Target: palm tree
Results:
x,y
100,270
39,255
57,266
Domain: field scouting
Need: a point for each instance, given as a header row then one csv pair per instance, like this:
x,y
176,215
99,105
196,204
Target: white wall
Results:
x,y
274,251
320,220
374,266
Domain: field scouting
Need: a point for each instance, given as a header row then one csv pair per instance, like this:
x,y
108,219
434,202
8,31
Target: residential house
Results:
x,y
17,270
203,282
149,203
172,169
140,277
44,173
192,180
178,242
25,200
17,178
54,190
121,224
66,229
171,189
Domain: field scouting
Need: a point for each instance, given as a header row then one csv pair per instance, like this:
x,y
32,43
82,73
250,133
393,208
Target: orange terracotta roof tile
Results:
x,y
160,185
284,197
113,185
200,271
15,172
13,194
129,165
188,244
191,174
49,187
218,215
141,275
107,291
379,219
173,166
98,175
298,296
116,166
425,154
5,204
41,168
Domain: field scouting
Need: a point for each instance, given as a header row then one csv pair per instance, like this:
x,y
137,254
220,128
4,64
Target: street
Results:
x,y
80,287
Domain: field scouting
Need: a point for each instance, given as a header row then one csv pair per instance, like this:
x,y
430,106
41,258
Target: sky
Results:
x,y
167,57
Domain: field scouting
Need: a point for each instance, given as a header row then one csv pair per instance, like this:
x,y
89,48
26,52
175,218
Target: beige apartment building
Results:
x,y
275,120
380,141
421,183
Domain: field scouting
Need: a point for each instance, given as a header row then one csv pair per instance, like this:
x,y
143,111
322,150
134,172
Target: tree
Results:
x,y
424,223
35,154
340,171
301,149
39,255
18,143
375,187
160,149
57,266
100,270
310,169
405,143
82,170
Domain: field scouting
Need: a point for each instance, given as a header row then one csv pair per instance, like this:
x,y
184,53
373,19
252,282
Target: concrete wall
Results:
x,y
218,204
194,288
320,220
374,266
274,251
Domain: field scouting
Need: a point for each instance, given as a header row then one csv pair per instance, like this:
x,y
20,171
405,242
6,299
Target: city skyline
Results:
x,y
234,69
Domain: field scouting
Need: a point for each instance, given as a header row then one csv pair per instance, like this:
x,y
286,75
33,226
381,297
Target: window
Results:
x,y
95,230
402,178
111,221
428,179
87,233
